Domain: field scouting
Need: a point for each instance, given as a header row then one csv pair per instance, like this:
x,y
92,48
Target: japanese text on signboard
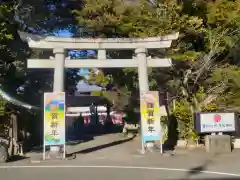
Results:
x,y
150,115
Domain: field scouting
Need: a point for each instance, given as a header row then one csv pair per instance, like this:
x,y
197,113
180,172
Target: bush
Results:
x,y
184,119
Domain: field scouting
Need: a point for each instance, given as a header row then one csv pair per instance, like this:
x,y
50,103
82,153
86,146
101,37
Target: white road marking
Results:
x,y
123,167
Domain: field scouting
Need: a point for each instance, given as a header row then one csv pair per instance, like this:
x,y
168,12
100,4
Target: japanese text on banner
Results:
x,y
54,118
150,115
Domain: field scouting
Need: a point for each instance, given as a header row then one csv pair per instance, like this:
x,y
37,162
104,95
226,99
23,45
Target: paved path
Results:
x,y
120,160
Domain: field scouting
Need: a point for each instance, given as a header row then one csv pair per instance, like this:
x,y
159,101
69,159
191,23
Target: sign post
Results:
x,y
54,123
150,118
215,122
218,125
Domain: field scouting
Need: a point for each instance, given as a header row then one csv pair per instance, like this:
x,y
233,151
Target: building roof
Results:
x,y
85,87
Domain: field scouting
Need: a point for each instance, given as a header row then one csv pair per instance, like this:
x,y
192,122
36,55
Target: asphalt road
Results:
x,y
104,173
108,160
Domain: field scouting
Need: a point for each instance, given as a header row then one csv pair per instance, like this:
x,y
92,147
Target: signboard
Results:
x,y
215,122
54,118
150,116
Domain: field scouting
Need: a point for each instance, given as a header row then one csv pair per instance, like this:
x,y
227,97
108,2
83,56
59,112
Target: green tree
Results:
x,y
24,15
208,42
13,51
139,19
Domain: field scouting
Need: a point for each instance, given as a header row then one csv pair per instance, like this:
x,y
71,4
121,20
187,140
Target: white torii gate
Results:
x,y
59,44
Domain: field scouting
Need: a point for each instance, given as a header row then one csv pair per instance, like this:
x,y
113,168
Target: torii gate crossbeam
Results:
x,y
59,45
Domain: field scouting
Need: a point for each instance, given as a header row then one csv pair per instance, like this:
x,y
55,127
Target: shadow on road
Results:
x,y
200,170
104,146
76,141
17,158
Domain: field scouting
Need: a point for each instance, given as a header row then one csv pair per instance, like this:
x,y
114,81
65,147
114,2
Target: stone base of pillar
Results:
x,y
236,143
218,143
182,143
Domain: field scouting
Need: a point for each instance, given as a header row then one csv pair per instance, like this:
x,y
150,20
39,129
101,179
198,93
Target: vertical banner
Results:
x,y
54,118
150,116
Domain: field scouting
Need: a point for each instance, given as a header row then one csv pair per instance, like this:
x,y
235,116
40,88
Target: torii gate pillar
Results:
x,y
142,69
58,82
